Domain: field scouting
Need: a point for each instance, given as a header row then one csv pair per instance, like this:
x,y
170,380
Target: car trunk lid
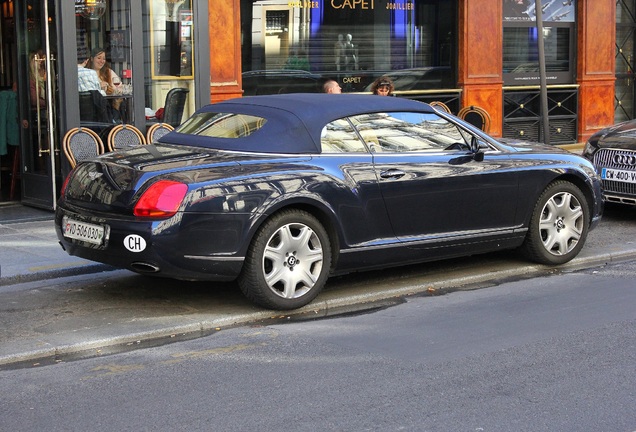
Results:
x,y
113,182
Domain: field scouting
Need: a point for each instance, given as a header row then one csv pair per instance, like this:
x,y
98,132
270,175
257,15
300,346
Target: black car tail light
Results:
x,y
161,200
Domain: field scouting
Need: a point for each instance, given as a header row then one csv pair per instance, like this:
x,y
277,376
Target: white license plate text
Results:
x,y
77,230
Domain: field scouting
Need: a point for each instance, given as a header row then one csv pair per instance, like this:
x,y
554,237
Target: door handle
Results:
x,y
392,174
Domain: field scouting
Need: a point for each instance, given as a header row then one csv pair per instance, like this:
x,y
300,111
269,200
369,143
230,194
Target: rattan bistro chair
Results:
x,y
156,131
125,136
440,106
476,116
81,144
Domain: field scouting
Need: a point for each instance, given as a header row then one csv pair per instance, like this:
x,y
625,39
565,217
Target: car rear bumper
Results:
x,y
172,252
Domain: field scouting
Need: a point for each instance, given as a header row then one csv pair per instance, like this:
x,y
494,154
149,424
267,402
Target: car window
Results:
x,y
340,137
409,132
222,125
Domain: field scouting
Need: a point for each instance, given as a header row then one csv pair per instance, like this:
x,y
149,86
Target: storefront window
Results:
x,y
293,46
103,46
169,58
520,42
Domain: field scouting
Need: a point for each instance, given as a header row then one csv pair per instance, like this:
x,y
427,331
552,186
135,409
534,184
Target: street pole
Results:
x,y
542,73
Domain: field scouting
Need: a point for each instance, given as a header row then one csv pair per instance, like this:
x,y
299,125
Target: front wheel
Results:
x,y
288,261
559,225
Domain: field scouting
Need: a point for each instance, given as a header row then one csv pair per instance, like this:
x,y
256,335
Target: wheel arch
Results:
x,y
583,186
317,209
584,183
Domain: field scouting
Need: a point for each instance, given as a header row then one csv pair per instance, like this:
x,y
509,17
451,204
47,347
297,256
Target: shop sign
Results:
x,y
352,4
352,80
304,4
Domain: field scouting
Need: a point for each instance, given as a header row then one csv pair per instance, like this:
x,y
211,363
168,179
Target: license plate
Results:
x,y
83,231
618,175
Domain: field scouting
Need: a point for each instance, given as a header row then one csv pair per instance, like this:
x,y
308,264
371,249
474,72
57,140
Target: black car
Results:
x,y
613,152
280,192
427,78
266,82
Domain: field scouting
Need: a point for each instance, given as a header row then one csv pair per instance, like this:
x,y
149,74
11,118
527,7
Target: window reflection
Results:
x,y
222,125
103,45
408,132
168,55
354,42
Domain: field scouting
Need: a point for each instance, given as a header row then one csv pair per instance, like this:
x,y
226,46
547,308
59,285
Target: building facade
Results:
x,y
460,52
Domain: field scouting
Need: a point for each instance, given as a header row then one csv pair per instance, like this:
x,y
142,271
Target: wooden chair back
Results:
x,y
156,131
125,136
476,116
81,144
441,106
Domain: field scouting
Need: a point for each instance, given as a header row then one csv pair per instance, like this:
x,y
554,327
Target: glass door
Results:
x,y
37,101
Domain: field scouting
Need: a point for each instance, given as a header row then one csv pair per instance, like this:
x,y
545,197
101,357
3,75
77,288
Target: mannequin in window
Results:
x,y
350,54
339,52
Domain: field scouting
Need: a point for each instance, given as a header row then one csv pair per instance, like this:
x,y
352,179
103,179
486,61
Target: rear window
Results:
x,y
222,125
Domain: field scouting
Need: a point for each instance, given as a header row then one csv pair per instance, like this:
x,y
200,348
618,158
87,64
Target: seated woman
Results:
x,y
109,80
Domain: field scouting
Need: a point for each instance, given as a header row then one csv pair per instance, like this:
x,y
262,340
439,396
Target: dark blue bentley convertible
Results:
x,y
279,192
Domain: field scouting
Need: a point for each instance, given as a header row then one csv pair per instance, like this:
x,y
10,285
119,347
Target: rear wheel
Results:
x,y
288,261
559,225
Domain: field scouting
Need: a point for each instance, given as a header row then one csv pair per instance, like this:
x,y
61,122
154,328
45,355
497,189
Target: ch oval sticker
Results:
x,y
134,243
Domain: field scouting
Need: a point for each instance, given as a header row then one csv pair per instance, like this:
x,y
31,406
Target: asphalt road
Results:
x,y
48,321
550,353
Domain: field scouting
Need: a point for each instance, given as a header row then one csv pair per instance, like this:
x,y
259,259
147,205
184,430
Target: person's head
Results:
x,y
82,61
383,86
98,58
331,86
82,56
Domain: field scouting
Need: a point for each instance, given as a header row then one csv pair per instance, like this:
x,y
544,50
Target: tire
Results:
x,y
288,261
559,225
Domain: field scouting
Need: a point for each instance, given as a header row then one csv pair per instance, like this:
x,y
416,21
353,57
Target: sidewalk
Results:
x,y
30,250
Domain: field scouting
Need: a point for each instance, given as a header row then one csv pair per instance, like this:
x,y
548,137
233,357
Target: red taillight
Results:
x,y
162,199
64,185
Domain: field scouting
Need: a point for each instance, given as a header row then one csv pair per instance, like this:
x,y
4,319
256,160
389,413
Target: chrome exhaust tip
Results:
x,y
143,267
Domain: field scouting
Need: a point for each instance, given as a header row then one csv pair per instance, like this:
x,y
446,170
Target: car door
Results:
x,y
432,186
356,195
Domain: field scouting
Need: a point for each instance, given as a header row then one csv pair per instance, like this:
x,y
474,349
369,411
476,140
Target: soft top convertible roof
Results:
x,y
294,121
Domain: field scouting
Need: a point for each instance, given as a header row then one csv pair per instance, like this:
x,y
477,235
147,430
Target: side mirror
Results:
x,y
478,155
